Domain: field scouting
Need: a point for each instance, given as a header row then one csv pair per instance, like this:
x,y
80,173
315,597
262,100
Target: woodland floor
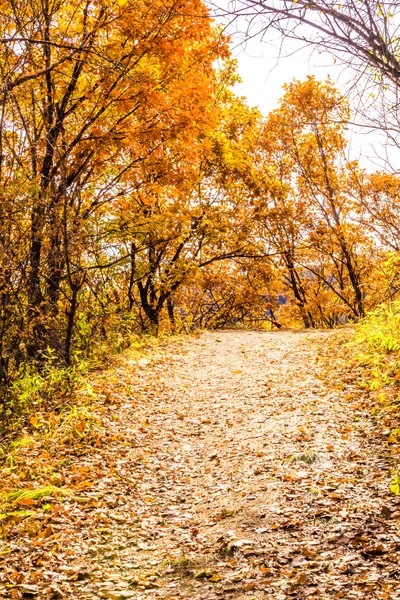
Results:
x,y
230,468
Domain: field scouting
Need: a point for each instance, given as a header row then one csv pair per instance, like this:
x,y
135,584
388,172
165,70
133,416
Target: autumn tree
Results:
x,y
136,186
305,140
231,293
130,79
195,216
378,200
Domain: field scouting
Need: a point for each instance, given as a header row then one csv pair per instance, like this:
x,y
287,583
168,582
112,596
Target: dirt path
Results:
x,y
230,471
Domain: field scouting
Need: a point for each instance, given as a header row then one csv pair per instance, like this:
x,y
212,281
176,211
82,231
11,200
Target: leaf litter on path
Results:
x,y
227,468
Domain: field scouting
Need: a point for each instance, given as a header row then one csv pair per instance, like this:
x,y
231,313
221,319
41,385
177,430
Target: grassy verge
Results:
x,y
366,368
376,349
59,418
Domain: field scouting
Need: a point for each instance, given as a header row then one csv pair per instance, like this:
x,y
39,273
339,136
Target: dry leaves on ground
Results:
x,y
225,466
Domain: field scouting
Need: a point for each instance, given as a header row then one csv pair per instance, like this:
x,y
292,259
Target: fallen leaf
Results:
x,y
395,486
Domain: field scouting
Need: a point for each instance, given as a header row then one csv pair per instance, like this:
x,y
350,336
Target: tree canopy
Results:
x,y
140,193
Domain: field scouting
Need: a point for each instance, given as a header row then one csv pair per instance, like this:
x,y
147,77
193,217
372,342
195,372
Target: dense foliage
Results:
x,y
138,192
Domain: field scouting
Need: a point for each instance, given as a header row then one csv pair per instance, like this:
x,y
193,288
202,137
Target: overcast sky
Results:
x,y
264,70
265,66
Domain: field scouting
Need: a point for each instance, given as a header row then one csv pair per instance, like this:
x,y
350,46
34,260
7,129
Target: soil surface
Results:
x,y
230,468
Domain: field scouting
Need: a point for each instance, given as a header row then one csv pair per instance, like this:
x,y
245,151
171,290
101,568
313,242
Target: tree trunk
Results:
x,y
171,314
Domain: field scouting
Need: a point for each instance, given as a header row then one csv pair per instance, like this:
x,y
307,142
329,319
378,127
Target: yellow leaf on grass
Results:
x,y
395,486
392,439
122,2
26,502
34,421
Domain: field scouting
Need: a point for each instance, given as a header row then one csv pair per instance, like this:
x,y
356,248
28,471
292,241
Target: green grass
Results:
x,y
376,347
34,495
19,514
379,332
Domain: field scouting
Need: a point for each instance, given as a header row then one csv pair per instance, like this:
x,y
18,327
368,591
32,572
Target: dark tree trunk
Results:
x,y
171,314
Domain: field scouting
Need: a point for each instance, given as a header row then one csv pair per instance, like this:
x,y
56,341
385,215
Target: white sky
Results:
x,y
265,68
